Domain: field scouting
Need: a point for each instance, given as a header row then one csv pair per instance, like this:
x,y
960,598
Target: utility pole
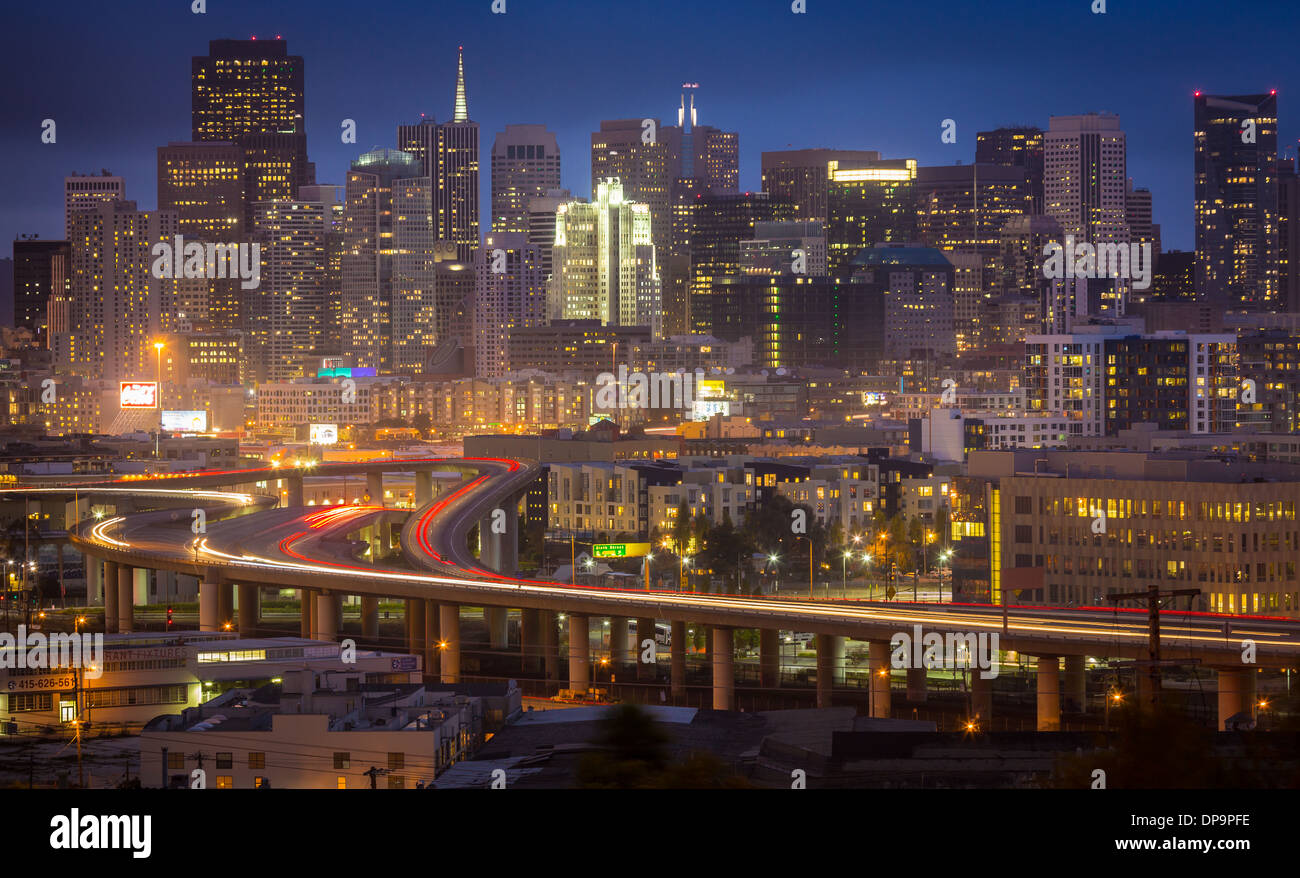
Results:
x,y
1153,596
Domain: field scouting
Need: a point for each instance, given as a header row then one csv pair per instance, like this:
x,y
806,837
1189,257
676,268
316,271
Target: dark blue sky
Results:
x,y
872,75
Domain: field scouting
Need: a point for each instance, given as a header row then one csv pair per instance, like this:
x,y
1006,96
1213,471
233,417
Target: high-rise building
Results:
x,y
1288,235
40,285
510,295
88,190
525,165
1237,201
963,208
603,262
872,203
779,248
1085,177
802,176
1137,213
917,286
370,227
250,92
333,199
704,153
541,224
1015,147
286,314
447,153
645,167
1271,359
118,307
718,222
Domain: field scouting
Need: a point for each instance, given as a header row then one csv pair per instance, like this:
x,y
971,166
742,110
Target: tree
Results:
x,y
681,528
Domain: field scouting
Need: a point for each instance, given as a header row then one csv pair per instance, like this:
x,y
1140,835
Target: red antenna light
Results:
x,y
1196,94
253,37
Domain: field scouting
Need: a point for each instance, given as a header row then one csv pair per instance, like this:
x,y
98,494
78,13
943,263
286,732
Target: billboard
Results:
x,y
620,550
185,422
138,394
324,434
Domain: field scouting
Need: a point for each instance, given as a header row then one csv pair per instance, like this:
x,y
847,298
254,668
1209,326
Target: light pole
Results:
x,y
157,445
944,557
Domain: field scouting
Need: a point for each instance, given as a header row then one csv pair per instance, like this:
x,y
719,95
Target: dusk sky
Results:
x,y
116,78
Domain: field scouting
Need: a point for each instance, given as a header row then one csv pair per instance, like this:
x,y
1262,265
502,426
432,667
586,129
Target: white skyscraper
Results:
x,y
603,262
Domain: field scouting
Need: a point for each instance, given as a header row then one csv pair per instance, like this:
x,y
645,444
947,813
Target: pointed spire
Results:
x,y
462,106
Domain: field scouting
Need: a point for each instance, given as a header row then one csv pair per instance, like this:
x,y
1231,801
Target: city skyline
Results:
x,y
764,104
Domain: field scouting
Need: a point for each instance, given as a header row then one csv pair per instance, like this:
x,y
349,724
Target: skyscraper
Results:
x,y
250,92
1015,147
603,262
869,204
802,176
1085,177
541,224
962,209
513,297
641,158
118,307
40,283
286,314
525,165
88,190
1237,200
448,155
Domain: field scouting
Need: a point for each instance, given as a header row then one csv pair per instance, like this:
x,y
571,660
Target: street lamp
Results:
x,y
686,561
944,557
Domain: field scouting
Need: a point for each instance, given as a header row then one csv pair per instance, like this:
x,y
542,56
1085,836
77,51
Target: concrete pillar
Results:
x,y
878,661
825,669
375,488
550,644
579,653
839,660
769,658
1076,684
369,617
295,496
58,555
248,600
226,603
306,600
981,698
326,616
1049,693
208,606
530,640
724,671
1236,694
432,637
110,596
125,598
415,626
499,551
313,610
497,619
449,652
619,640
677,659
916,686
645,630
94,580
423,488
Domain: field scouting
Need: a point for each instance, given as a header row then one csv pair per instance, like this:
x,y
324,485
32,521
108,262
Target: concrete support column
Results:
x,y
1236,694
579,653
645,630
375,488
497,619
1049,693
248,606
724,671
825,669
110,596
1076,684
619,654
916,686
550,644
415,626
94,580
769,658
369,617
313,611
839,660
306,600
207,606
125,598
981,698
530,640
677,659
295,496
327,614
226,603
878,659
449,653
423,488
432,637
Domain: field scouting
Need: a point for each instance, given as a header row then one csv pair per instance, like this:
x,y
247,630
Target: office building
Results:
x,y
525,165
802,176
513,297
87,190
873,203
40,272
1015,147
